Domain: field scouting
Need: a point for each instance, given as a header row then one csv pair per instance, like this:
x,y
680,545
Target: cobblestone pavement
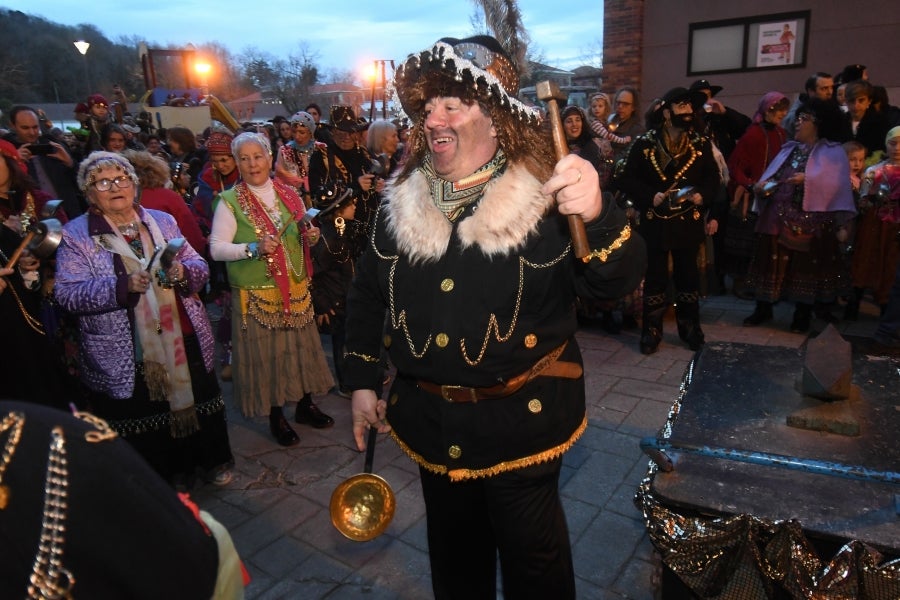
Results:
x,y
276,507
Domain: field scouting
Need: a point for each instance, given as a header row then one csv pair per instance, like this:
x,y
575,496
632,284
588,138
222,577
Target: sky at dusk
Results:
x,y
343,34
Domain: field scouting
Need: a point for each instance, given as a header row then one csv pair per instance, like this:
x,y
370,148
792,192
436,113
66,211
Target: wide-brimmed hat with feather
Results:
x,y
475,68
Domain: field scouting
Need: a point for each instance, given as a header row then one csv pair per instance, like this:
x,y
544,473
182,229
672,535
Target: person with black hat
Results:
x,y
344,164
471,260
82,515
333,267
671,176
723,124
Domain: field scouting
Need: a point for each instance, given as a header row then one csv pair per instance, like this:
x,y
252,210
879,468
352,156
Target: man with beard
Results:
x,y
343,164
471,260
672,177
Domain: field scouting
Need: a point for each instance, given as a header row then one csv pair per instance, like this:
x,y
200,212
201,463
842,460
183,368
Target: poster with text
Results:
x,y
777,42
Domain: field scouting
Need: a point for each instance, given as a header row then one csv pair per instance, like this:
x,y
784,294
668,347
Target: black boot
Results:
x,y
281,429
851,310
802,314
608,323
652,330
309,414
687,317
823,312
761,314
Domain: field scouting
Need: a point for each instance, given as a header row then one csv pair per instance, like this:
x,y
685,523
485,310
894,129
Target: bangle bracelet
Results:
x,y
251,250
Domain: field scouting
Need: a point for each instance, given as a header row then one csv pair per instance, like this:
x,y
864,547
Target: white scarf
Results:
x,y
158,340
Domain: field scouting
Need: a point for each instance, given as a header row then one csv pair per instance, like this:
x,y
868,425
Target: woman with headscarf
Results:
x,y
802,223
258,232
752,154
579,138
146,345
292,163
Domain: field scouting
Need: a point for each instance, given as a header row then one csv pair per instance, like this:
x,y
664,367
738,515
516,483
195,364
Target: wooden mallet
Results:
x,y
549,92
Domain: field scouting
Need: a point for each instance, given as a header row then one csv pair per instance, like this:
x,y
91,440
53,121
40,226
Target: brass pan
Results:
x,y
362,506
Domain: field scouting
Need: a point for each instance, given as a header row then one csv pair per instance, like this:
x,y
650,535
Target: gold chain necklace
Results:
x,y
16,421
651,154
49,578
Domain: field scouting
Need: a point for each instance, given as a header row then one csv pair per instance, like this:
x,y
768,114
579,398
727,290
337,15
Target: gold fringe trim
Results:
x,y
457,475
604,254
184,422
266,308
155,375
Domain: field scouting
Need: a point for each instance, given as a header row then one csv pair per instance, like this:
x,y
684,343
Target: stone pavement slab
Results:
x,y
276,507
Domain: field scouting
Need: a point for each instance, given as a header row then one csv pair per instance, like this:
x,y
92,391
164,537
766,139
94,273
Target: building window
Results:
x,y
748,44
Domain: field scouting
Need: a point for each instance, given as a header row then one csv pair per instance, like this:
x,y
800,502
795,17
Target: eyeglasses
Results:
x,y
122,182
804,118
622,103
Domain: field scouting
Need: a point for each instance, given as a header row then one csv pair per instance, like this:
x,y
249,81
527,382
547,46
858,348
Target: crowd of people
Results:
x,y
116,320
796,203
382,237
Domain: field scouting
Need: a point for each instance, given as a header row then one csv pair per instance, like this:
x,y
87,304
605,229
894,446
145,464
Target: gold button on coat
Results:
x,y
447,285
530,340
393,399
442,339
454,451
387,340
535,406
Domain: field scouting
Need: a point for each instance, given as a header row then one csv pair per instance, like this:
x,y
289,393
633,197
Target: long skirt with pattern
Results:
x,y
875,255
820,274
146,424
273,366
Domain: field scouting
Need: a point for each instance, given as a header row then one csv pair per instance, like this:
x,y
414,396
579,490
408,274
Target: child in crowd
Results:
x,y
333,260
876,251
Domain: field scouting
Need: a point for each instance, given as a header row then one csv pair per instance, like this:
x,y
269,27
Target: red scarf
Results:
x,y
276,263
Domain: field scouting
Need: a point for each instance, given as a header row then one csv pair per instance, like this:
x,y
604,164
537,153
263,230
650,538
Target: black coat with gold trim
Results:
x,y
475,303
648,169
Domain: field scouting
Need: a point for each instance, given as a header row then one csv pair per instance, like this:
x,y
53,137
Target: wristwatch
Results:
x,y
251,250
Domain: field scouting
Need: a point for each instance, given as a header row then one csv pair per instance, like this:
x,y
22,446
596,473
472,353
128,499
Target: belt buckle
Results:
x,y
447,393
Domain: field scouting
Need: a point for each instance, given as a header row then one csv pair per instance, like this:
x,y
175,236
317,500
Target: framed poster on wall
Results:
x,y
748,43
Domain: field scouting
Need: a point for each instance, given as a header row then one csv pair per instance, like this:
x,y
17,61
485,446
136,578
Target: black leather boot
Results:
x,y
851,310
309,414
281,429
652,330
687,317
761,314
802,314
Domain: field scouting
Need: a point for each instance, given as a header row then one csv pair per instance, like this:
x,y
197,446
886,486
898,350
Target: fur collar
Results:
x,y
510,209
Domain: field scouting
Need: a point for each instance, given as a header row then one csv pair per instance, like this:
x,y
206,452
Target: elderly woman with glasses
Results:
x,y
805,203
146,345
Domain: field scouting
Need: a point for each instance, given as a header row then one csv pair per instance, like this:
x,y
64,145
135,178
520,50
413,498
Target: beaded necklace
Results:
x,y
686,144
132,234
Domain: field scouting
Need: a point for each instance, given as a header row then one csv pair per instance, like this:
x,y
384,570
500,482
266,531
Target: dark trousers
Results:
x,y
685,273
519,515
338,326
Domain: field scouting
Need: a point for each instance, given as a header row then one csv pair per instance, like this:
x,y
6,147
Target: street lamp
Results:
x,y
203,70
83,48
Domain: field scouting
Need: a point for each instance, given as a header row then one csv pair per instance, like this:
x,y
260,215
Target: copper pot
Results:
x,y
41,239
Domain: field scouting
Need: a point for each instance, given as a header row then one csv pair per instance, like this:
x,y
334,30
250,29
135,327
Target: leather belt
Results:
x,y
548,366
